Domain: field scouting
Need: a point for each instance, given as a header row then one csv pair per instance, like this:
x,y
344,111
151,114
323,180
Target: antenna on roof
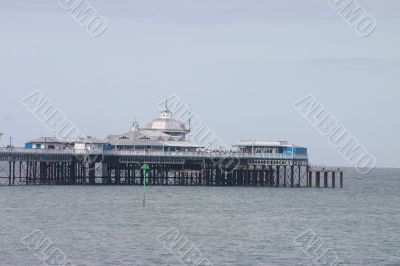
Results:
x,y
190,114
190,117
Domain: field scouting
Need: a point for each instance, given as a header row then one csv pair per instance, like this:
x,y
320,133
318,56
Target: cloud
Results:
x,y
360,63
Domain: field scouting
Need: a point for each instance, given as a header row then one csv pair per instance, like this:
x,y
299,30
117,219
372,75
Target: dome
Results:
x,y
166,124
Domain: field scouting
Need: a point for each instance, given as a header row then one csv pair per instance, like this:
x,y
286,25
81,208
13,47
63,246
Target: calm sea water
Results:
x,y
228,226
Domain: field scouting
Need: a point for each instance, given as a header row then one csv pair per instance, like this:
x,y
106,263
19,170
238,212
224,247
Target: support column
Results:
x,y
299,173
284,175
271,176
317,179
27,172
341,179
92,173
292,176
325,179
20,171
246,176
13,172
333,179
34,172
72,177
277,175
9,173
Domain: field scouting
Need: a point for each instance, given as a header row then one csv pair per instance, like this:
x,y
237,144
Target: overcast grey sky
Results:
x,y
240,64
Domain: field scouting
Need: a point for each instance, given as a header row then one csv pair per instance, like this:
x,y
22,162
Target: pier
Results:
x,y
173,160
319,172
20,166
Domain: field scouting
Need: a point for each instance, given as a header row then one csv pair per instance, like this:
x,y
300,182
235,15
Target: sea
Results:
x,y
108,225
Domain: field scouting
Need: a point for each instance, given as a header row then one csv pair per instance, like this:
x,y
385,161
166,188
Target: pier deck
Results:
x,y
61,167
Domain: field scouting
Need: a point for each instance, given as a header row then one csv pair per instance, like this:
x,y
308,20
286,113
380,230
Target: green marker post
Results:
x,y
145,168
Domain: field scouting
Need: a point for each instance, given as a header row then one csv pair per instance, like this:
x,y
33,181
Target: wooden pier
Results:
x,y
52,167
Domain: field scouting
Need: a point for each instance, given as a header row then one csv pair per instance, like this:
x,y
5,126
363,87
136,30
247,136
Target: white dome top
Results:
x,y
166,122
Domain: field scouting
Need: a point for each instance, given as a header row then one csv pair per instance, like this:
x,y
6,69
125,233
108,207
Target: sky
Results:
x,y
240,64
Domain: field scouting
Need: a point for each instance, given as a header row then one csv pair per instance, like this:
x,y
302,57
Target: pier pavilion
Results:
x,y
161,134
172,158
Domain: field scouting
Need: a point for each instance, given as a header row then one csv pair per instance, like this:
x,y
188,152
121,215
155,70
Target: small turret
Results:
x,y
135,125
166,113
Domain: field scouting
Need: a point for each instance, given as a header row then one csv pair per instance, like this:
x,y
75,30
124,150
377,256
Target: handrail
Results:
x,y
206,154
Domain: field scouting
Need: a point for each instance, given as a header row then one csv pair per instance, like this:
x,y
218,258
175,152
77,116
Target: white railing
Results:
x,y
42,151
208,154
202,154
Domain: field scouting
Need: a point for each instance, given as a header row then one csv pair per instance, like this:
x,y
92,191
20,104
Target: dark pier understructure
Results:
x,y
52,167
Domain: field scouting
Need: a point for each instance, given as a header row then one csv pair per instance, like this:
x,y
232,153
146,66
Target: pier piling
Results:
x,y
30,167
318,179
341,179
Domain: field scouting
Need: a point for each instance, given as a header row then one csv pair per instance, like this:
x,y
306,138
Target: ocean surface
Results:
x,y
107,225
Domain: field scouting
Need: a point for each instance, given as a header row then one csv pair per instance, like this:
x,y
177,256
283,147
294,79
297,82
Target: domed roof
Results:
x,y
166,122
